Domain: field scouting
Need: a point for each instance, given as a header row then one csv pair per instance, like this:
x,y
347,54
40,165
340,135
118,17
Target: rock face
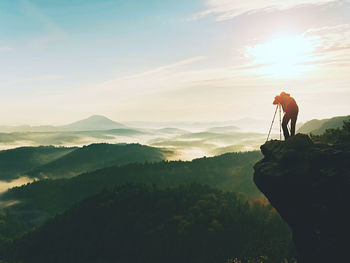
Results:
x,y
309,185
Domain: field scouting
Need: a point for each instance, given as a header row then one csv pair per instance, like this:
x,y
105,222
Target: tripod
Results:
x,y
278,107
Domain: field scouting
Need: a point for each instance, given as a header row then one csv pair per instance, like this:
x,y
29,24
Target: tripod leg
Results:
x,y
279,106
273,119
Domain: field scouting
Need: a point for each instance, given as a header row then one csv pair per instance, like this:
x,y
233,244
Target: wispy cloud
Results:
x,y
166,67
228,9
332,44
330,38
154,70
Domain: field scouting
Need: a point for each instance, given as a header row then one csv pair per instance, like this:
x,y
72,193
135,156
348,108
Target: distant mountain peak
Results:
x,y
93,123
97,117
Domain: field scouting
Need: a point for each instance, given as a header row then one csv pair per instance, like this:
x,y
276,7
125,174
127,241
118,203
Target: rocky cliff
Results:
x,y
309,185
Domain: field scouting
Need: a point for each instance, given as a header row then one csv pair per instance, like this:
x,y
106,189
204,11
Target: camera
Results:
x,y
276,101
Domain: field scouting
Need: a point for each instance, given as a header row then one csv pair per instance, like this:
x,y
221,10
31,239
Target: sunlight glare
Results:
x,y
282,57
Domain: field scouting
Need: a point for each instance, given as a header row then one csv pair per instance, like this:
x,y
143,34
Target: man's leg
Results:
x,y
285,121
293,123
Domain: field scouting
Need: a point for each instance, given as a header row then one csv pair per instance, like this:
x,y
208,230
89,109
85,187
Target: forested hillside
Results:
x,y
97,156
339,136
54,162
230,172
138,224
318,127
17,162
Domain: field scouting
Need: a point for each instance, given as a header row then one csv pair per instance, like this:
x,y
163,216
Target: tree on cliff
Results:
x,y
334,136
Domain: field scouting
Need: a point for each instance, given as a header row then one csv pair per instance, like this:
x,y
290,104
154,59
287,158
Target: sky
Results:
x,y
171,60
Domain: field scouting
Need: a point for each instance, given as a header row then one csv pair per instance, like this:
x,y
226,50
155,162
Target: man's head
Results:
x,y
280,97
284,94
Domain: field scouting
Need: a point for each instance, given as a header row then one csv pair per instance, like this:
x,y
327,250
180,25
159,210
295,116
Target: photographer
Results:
x,y
290,109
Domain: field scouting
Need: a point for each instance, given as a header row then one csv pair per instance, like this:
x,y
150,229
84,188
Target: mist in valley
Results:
x,y
187,140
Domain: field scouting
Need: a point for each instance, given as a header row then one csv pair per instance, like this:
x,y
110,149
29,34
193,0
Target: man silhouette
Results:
x,y
290,109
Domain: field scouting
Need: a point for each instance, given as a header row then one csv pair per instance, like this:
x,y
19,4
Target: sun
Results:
x,y
281,57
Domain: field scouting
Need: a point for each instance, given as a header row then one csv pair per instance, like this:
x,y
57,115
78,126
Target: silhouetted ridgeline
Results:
x,y
309,185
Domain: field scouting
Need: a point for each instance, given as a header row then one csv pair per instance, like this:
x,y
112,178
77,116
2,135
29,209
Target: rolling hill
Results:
x,y
318,127
126,132
224,129
16,162
97,156
170,130
49,161
229,172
